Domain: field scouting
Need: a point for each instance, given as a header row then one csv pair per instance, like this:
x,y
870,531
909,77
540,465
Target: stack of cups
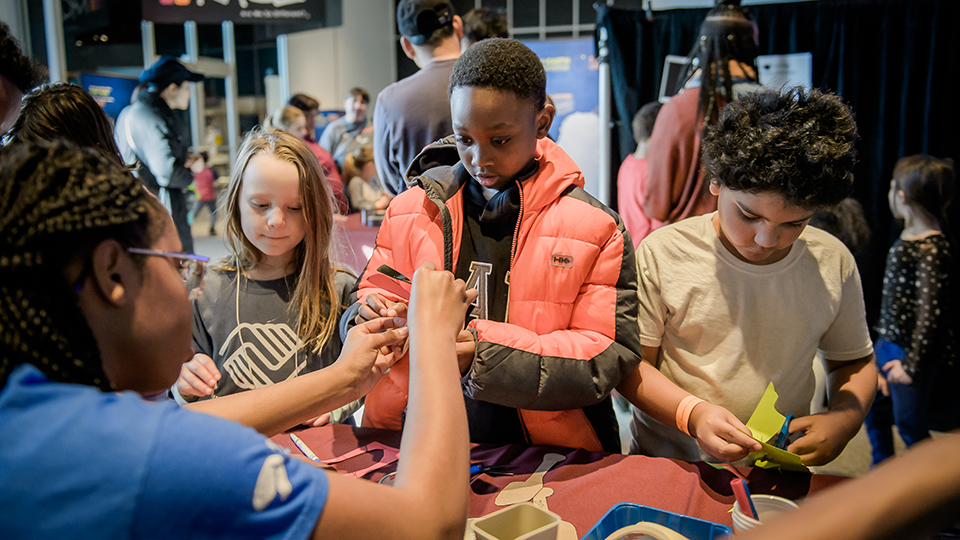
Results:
x,y
766,505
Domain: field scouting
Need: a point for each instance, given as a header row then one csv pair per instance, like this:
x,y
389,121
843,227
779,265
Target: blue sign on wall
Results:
x,y
111,92
573,76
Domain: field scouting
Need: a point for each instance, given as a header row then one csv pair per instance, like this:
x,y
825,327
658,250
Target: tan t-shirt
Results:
x,y
726,328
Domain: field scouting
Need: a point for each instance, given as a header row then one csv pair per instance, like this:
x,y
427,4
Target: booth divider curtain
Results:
x,y
896,62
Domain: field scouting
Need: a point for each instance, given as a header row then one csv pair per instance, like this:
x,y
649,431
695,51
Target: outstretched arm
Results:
x,y
279,407
911,496
721,434
430,496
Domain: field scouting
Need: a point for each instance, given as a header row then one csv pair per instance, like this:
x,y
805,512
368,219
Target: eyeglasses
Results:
x,y
192,267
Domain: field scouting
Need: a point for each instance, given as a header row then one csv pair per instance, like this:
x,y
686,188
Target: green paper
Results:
x,y
765,424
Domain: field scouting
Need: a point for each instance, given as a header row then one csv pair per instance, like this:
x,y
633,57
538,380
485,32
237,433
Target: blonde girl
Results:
x,y
364,188
294,121
269,310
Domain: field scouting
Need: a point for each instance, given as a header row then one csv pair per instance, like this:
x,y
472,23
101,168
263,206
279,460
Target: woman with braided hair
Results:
x,y
92,302
721,67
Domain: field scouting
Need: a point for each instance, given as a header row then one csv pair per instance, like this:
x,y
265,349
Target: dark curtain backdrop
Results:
x,y
896,62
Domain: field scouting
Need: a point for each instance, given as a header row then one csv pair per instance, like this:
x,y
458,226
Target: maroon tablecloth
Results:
x,y
353,237
585,484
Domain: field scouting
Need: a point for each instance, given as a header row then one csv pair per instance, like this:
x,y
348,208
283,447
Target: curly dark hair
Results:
x,y
501,64
57,202
485,23
17,67
64,110
797,143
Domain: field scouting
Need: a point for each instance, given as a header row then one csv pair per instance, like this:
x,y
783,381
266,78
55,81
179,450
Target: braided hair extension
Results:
x,y
57,202
727,34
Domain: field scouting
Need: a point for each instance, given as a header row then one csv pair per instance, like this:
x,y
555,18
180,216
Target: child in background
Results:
x,y
845,221
501,206
269,311
632,178
205,177
748,295
294,121
916,328
365,190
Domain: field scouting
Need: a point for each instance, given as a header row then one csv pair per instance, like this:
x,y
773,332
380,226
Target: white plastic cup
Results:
x,y
767,506
523,521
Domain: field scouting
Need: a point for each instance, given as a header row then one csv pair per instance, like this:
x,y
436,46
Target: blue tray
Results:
x,y
623,514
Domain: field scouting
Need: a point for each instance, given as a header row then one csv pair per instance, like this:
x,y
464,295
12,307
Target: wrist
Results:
x,y
684,411
344,380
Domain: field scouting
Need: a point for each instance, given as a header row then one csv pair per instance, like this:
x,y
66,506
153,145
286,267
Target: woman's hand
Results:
x,y
375,306
361,353
198,377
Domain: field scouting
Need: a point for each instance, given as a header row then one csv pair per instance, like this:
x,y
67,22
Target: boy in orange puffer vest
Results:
x,y
503,207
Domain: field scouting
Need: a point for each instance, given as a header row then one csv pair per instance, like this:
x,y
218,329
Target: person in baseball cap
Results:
x,y
415,111
152,137
168,70
425,22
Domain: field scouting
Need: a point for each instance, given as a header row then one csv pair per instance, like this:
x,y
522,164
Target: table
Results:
x,y
585,484
354,238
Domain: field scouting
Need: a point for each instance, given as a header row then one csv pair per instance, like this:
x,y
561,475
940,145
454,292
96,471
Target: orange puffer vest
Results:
x,y
571,332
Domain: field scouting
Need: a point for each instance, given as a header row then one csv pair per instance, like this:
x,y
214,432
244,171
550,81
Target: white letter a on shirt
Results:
x,y
271,481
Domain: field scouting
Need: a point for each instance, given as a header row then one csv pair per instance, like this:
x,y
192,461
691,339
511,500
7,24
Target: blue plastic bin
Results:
x,y
623,514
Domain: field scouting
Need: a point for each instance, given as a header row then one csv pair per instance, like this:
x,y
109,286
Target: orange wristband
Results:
x,y
683,412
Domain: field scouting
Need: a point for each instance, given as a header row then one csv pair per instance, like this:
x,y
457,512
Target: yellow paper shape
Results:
x,y
765,424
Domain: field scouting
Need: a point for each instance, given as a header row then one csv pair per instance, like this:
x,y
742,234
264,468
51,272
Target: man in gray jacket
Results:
x,y
150,134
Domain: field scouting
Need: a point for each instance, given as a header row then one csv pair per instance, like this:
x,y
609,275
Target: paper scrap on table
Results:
x,y
390,455
522,491
765,424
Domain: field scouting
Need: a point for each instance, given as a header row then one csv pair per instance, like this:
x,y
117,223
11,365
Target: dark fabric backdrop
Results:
x,y
896,62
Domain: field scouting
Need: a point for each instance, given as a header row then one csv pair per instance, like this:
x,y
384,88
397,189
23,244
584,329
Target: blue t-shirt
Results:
x,y
79,463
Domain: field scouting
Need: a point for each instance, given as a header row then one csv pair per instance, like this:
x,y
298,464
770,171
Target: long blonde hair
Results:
x,y
313,256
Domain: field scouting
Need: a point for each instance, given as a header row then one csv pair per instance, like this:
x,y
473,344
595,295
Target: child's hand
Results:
x,y
882,386
318,421
825,435
438,302
374,306
361,351
721,434
895,372
198,377
466,348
